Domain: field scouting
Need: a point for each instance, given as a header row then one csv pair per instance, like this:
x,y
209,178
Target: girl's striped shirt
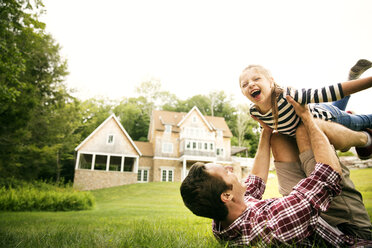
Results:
x,y
287,117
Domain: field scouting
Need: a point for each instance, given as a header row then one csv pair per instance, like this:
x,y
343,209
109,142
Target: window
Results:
x,y
194,119
85,161
167,148
142,175
188,144
167,175
200,145
205,146
115,163
129,164
219,133
101,161
219,151
211,146
110,139
168,128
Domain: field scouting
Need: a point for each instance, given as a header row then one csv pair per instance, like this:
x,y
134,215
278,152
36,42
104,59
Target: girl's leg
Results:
x,y
355,72
341,104
354,122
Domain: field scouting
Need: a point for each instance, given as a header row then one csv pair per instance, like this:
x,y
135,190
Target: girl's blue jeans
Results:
x,y
353,122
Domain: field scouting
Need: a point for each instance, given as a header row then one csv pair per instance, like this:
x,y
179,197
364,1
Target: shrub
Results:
x,y
16,195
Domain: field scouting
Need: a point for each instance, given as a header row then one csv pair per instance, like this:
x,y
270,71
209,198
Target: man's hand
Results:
x,y
265,127
301,110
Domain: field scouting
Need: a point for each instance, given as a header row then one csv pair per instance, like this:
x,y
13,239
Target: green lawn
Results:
x,y
139,215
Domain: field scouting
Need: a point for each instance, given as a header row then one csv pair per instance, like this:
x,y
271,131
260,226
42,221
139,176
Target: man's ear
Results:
x,y
226,196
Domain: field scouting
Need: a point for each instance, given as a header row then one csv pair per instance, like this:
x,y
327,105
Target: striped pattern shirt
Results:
x,y
287,118
293,219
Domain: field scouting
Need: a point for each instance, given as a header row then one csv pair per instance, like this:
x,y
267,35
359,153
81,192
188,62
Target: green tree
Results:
x,y
31,88
134,117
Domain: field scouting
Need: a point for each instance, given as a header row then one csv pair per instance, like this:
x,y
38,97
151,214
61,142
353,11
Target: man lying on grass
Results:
x,y
242,218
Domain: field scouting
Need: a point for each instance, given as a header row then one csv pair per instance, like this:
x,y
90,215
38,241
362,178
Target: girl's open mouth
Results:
x,y
256,93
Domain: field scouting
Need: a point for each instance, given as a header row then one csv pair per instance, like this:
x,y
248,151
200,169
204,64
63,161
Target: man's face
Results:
x,y
230,178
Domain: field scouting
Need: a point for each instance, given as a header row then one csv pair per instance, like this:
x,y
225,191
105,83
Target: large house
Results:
x,y
109,157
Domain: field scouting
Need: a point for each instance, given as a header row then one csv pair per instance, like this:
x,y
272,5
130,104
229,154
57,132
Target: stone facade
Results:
x,y
89,180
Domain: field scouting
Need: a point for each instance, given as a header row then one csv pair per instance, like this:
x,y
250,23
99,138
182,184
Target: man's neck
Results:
x,y
235,211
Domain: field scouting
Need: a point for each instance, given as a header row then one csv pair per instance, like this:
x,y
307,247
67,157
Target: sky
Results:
x,y
199,46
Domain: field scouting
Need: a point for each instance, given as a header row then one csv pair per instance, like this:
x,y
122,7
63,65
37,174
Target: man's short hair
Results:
x,y
201,193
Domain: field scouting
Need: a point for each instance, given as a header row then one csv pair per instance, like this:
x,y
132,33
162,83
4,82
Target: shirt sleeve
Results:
x,y
294,217
255,187
326,94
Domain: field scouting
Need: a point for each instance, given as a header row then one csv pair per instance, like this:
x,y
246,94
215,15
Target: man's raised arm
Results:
x,y
323,152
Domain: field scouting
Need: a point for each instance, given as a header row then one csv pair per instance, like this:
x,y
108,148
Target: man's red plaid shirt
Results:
x,y
291,219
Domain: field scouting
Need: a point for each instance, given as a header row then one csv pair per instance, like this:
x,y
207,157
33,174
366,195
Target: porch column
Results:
x,y
108,163
122,164
136,165
93,161
183,168
77,160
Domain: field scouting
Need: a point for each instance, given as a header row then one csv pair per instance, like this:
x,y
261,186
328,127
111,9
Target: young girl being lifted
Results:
x,y
270,107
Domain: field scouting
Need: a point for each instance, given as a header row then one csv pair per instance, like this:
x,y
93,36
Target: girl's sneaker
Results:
x,y
365,152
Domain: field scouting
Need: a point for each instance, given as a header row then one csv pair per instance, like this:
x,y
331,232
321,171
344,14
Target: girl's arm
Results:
x,y
330,93
353,86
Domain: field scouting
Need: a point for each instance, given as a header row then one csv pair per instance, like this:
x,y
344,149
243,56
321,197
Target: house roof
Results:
x,y
237,149
201,115
113,116
160,118
145,148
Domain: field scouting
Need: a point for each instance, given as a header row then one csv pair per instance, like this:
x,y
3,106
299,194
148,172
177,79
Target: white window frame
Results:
x,y
168,128
211,146
194,119
108,139
167,147
141,173
167,174
220,150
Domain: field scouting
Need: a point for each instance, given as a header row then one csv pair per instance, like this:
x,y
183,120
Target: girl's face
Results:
x,y
257,87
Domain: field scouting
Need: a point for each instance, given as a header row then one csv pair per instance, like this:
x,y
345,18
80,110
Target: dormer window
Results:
x,y
219,133
110,139
168,128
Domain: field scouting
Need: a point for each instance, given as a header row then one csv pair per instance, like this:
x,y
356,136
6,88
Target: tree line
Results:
x,y
41,123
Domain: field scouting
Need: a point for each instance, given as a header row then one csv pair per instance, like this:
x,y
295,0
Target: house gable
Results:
x,y
195,113
98,140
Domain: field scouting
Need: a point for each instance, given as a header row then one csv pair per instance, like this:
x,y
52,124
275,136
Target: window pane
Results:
x,y
205,146
145,175
164,176
101,161
110,139
115,163
128,164
139,175
193,145
170,176
85,161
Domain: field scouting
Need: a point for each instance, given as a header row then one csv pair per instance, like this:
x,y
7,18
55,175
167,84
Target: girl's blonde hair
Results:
x,y
275,92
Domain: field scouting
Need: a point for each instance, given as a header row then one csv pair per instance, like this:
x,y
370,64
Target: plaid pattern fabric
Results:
x,y
287,117
287,220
